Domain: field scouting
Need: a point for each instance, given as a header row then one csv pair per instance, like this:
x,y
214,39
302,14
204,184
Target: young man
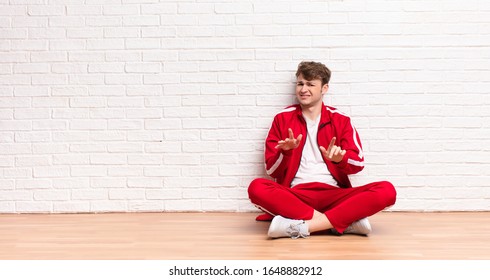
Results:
x,y
310,150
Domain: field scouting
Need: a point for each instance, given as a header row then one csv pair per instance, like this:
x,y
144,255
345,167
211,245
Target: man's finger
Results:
x,y
332,143
291,135
324,151
332,152
299,138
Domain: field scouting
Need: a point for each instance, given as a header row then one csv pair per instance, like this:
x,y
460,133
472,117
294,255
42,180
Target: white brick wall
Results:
x,y
163,105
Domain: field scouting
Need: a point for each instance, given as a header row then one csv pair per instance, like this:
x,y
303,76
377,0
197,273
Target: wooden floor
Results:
x,y
212,236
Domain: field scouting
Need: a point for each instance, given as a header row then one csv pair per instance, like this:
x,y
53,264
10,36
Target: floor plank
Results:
x,y
187,236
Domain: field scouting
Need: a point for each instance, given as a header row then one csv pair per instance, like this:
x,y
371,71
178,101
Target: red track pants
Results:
x,y
342,206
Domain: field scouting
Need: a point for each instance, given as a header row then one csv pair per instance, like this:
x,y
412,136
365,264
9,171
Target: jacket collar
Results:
x,y
325,114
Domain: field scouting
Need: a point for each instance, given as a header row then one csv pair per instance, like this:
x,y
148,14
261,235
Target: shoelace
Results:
x,y
294,231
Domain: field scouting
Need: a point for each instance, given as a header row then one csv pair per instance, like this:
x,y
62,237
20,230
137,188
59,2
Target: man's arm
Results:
x,y
348,154
278,150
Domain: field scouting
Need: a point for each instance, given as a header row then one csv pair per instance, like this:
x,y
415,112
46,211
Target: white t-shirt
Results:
x,y
312,167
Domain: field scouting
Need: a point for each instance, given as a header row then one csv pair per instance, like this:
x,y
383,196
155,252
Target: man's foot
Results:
x,y
362,227
282,227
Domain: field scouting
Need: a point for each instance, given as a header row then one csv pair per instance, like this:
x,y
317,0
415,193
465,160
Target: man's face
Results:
x,y
310,93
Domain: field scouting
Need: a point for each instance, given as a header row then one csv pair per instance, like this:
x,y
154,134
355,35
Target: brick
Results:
x,y
66,21
70,159
181,205
114,67
32,137
30,184
160,8
30,114
126,194
121,171
84,33
30,91
125,148
88,148
163,124
218,205
231,159
17,173
145,159
88,171
164,194
108,206
31,68
108,159
45,10
87,102
51,195
192,194
151,90
51,171
146,43
166,171
15,125
193,8
200,147
72,113
67,45
71,207
121,32
180,182
49,148
120,10
189,135
145,206
145,183
181,159
33,207
105,21
105,44
69,91
145,20
69,68
145,136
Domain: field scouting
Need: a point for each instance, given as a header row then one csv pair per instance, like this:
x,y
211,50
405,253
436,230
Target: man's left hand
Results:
x,y
333,153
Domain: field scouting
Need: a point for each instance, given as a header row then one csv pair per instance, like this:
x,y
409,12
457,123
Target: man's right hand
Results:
x,y
290,142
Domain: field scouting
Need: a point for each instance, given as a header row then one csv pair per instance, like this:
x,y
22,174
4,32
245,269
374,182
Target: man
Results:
x,y
310,150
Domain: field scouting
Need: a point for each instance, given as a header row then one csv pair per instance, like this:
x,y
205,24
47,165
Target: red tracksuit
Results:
x,y
343,204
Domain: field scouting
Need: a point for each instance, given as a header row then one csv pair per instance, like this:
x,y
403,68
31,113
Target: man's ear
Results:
x,y
324,88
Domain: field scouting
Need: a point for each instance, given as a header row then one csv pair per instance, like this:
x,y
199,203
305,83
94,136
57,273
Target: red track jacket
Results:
x,y
283,165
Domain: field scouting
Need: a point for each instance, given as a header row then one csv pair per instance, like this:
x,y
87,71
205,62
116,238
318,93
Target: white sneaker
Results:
x,y
361,226
282,227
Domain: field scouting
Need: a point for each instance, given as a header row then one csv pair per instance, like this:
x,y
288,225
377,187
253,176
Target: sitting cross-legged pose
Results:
x,y
310,150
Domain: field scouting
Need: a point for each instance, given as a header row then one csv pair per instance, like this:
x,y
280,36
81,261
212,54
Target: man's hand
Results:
x,y
290,142
333,153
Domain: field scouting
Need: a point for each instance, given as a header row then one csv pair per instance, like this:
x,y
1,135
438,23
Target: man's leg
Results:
x,y
276,199
344,207
318,222
352,204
